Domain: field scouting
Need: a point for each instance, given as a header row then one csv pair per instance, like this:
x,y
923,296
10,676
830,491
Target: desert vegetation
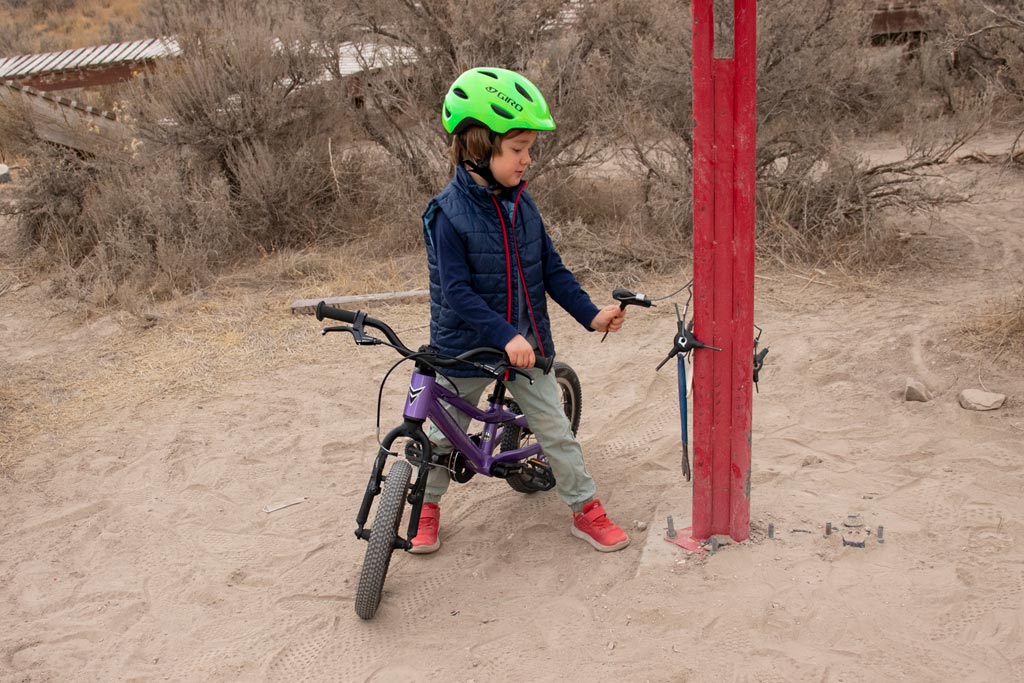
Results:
x,y
257,142
31,26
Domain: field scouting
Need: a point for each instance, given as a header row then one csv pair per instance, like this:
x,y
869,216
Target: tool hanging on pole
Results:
x,y
682,344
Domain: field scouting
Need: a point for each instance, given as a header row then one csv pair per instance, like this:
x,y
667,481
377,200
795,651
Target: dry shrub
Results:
x,y
987,47
281,199
423,47
247,148
243,149
974,48
14,35
113,228
820,88
32,26
1002,329
624,252
838,206
595,198
16,136
50,198
259,104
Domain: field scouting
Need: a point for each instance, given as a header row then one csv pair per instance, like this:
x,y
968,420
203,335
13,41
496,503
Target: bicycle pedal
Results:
x,y
537,475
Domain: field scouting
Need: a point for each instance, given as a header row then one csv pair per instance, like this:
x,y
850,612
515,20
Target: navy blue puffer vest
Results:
x,y
498,256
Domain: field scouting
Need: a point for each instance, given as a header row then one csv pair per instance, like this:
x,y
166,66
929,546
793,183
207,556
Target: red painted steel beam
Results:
x,y
724,155
703,258
743,266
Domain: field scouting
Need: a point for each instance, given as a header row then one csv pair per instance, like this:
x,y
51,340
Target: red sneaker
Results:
x,y
594,527
426,540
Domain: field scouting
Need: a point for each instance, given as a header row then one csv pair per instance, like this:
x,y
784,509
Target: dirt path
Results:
x,y
140,456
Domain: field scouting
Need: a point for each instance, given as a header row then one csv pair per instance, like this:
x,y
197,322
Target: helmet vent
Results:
x,y
488,73
447,113
459,92
522,91
501,112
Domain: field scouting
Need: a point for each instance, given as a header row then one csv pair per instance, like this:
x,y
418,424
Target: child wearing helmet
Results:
x,y
492,267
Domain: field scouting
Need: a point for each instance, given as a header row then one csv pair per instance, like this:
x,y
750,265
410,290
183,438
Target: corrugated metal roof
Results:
x,y
23,66
352,57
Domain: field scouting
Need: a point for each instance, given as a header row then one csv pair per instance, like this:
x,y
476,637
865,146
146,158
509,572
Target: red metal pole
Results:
x,y
724,156
743,266
703,257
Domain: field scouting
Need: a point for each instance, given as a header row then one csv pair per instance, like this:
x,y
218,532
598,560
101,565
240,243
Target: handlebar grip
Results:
x,y
325,311
544,363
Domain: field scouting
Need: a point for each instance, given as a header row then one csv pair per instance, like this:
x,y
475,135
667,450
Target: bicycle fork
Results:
x,y
411,429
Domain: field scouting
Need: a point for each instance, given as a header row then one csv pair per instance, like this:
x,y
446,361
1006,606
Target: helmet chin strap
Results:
x,y
483,169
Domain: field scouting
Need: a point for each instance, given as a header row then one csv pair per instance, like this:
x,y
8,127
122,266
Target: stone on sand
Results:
x,y
976,399
916,391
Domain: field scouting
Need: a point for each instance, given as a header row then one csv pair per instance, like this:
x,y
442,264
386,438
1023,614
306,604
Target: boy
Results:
x,y
491,266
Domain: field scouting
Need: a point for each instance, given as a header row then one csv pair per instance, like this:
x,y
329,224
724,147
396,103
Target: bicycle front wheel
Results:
x,y
382,539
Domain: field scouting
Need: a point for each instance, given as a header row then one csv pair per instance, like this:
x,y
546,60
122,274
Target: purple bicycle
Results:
x,y
519,459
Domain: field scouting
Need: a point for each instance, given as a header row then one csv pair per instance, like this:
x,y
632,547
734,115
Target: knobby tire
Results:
x,y
382,539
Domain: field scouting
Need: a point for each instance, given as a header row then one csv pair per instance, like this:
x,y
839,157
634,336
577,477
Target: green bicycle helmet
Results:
x,y
497,99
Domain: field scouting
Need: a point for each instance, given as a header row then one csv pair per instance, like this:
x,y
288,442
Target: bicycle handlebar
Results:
x,y
339,314
543,363
352,317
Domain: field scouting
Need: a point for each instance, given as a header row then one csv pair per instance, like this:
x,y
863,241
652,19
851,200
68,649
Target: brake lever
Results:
x,y
361,338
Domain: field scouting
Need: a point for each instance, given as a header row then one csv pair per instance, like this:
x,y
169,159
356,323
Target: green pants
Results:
x,y
541,403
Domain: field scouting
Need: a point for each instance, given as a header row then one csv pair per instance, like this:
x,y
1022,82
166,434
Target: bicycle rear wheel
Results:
x,y
382,539
515,437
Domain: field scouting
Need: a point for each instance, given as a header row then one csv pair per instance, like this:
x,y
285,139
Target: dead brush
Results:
x,y
825,212
1002,330
33,26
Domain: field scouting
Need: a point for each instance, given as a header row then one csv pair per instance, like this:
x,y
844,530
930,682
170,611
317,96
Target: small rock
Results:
x,y
916,391
640,526
811,460
976,399
611,645
5,174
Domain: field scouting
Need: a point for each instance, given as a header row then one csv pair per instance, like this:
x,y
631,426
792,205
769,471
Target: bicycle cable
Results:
x,y
669,296
380,392
421,356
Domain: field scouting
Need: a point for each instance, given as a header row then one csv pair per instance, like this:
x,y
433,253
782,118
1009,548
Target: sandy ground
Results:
x,y
141,452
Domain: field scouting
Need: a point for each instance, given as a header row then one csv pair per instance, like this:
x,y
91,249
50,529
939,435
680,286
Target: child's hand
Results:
x,y
609,319
520,353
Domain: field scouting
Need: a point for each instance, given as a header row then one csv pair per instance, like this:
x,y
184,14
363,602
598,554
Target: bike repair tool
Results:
x,y
758,358
683,343
625,298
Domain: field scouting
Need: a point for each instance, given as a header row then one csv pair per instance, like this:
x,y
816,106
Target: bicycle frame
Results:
x,y
425,400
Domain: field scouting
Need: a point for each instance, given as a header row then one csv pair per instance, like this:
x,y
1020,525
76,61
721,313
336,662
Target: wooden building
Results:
x,y
88,66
